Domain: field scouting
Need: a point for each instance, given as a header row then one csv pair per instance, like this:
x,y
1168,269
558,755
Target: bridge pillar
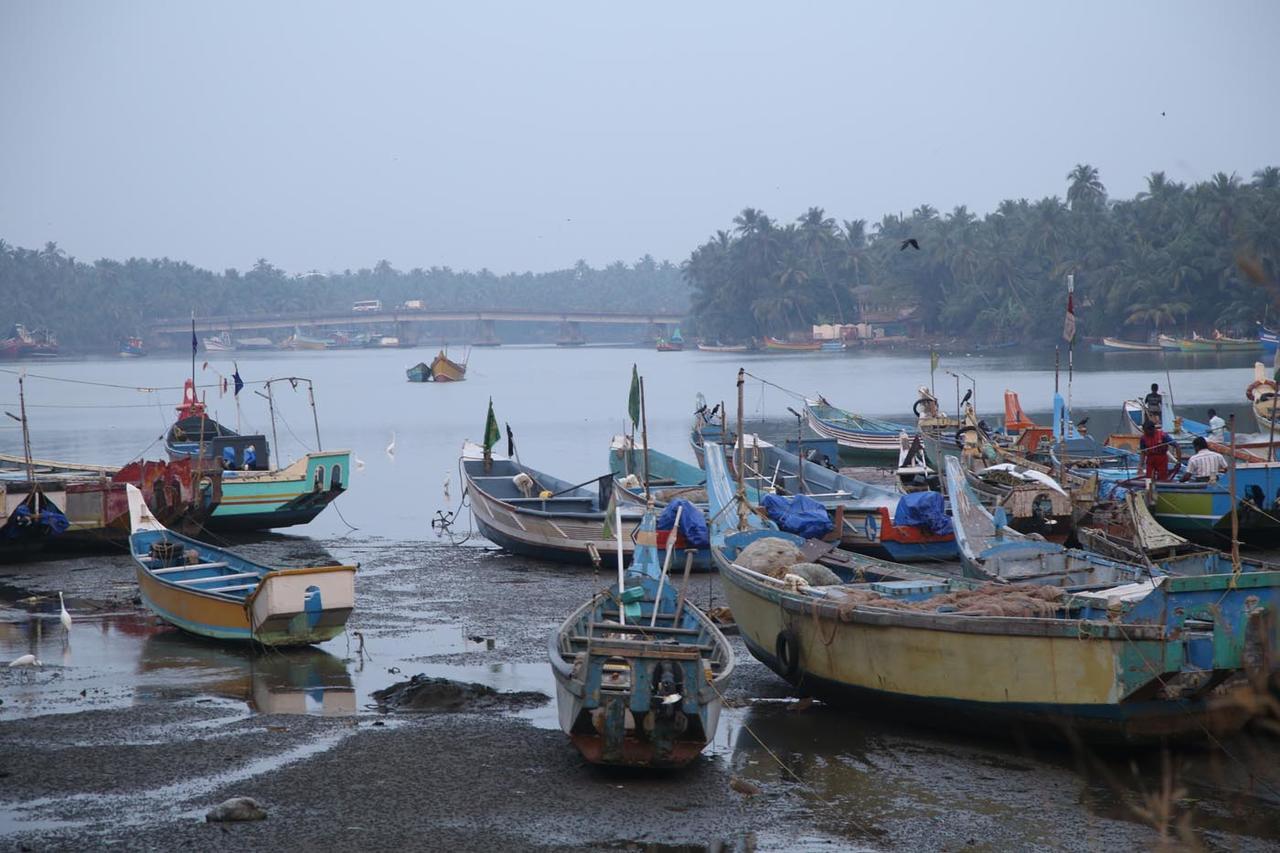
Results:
x,y
654,332
407,331
570,334
486,335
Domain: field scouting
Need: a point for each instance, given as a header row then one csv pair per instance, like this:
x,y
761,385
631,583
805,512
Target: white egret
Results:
x,y
391,448
25,660
64,616
359,462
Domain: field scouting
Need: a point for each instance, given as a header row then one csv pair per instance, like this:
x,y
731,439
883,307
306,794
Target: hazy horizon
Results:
x,y
513,138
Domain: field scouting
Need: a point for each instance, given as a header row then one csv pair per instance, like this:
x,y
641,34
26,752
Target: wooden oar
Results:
x,y
666,564
684,585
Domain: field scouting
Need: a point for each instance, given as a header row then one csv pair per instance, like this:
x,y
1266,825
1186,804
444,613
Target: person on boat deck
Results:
x,y
1154,404
250,457
228,458
1217,427
1154,446
1206,464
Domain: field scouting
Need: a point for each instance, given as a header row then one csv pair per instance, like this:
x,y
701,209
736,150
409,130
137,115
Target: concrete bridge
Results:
x,y
408,322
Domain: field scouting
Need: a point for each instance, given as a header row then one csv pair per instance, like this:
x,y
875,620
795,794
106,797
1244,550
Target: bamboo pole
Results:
x,y
622,582
1235,515
742,456
644,436
666,566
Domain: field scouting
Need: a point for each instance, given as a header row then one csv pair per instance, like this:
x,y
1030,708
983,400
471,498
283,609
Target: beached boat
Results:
x,y
1120,345
723,347
860,434
1201,512
1002,658
527,512
31,520
215,593
132,348
775,345
1261,395
441,369
220,342
255,495
639,670
669,477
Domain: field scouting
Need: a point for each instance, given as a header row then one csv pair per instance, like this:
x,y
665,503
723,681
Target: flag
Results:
x,y
1069,325
235,378
633,401
194,344
933,360
511,442
491,432
222,388
610,512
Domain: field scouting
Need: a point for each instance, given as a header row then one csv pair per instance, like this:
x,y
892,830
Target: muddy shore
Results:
x,y
167,727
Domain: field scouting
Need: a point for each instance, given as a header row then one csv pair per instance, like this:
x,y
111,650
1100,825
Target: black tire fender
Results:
x,y
787,648
960,435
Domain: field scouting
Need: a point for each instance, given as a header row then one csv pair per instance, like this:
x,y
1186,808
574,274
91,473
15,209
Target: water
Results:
x,y
478,615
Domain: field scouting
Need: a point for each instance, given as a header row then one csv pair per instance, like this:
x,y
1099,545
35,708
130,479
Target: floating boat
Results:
x,y
1168,342
255,496
640,671
24,343
220,342
858,433
1220,343
304,342
1119,345
1135,663
669,477
527,512
675,343
1201,512
255,343
833,346
1268,339
775,345
723,347
441,369
1261,395
132,348
214,593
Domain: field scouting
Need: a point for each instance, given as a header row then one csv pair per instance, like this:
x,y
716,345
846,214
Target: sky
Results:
x,y
526,136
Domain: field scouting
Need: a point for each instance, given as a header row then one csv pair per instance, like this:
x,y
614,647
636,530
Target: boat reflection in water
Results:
x,y
304,680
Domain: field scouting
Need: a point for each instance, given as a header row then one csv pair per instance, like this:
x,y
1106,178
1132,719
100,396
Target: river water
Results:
x,y
425,605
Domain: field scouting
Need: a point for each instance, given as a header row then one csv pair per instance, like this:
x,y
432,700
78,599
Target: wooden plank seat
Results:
x,y
236,588
643,626
640,649
238,576
665,645
185,568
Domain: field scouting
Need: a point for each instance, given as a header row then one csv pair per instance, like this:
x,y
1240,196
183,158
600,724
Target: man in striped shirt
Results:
x,y
1206,464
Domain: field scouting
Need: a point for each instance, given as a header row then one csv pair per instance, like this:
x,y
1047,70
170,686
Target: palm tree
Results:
x,y
1084,188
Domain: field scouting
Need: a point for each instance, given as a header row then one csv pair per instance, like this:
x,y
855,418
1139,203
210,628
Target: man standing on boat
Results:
x,y
1217,427
1205,465
1154,446
1154,404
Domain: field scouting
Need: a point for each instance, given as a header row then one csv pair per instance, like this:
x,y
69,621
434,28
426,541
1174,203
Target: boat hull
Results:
x,y
261,500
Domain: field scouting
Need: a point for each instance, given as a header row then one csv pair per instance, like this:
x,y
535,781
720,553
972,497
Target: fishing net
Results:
x,y
988,600
770,555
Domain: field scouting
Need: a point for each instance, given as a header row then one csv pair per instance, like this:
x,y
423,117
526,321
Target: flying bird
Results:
x,y
910,241
64,617
391,448
359,462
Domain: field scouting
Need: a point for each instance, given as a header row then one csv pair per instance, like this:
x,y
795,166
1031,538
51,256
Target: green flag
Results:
x,y
610,513
633,402
491,432
933,360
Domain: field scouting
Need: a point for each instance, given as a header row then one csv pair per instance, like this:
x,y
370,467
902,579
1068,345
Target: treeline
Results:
x,y
1176,257
92,306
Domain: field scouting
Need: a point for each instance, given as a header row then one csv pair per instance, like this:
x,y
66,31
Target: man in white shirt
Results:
x,y
1217,427
1206,464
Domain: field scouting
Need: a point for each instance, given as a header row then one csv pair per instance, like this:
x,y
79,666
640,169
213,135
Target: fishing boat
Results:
x,y
675,343
1218,343
220,342
1261,395
24,343
866,518
527,512
299,341
1268,339
860,434
1120,345
1135,663
215,593
833,346
132,348
31,520
441,369
255,343
669,477
1201,511
640,671
1168,342
718,347
255,495
775,345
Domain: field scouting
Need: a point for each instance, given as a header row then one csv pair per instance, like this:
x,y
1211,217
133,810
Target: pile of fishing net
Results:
x,y
693,494
777,558
988,600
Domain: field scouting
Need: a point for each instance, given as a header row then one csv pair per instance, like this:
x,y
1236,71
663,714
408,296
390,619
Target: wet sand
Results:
x,y
169,726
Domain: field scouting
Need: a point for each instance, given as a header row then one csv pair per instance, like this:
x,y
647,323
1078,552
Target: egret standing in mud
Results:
x,y
25,664
391,448
64,617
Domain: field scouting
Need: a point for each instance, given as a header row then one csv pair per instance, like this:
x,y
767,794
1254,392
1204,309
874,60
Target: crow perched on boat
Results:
x,y
910,241
967,395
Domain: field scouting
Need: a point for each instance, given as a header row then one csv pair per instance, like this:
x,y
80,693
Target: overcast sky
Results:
x,y
527,135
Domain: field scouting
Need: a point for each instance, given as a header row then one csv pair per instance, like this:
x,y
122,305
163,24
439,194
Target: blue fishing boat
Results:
x,y
1269,339
214,593
1133,663
132,347
858,433
640,671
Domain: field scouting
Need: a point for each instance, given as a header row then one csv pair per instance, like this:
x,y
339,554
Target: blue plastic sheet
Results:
x,y
798,514
923,509
693,524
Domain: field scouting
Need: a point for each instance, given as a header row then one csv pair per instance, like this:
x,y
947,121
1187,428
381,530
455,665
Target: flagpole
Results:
x,y
1071,342
644,436
193,350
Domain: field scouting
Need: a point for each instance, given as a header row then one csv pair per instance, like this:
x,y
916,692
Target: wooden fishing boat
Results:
x,y
669,477
640,671
132,348
299,341
1268,339
1168,342
862,435
1261,395
1220,343
212,592
255,496
420,372
776,345
255,343
31,520
1201,512
723,347
1120,345
933,649
441,369
670,345
220,342
527,512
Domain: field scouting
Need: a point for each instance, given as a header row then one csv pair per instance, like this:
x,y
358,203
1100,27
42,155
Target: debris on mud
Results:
x,y
424,694
236,809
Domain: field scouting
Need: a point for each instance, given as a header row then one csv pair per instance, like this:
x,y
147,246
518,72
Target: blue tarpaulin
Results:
x,y
923,509
693,524
798,514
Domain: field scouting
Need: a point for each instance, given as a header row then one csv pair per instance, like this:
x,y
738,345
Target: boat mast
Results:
x,y
315,419
1235,515
644,436
271,407
741,461
193,351
26,440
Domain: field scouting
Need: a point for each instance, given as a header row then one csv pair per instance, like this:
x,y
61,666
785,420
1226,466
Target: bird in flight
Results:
x,y
910,241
